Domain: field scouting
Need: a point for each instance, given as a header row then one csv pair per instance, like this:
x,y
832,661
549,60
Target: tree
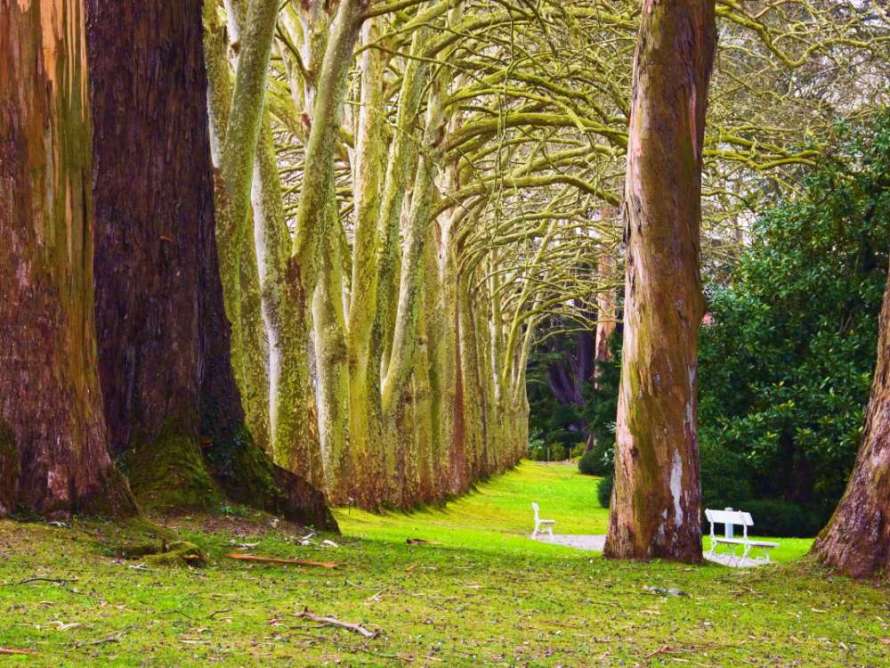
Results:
x,y
655,509
53,455
173,406
857,538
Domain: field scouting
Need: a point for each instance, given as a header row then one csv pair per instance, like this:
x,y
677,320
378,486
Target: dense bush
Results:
x,y
590,415
594,462
785,367
774,517
725,477
604,490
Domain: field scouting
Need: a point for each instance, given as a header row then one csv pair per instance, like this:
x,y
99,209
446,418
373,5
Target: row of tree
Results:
x,y
345,274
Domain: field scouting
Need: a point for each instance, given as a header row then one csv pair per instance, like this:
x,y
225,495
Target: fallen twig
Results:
x,y
114,637
53,580
11,650
333,621
276,560
664,649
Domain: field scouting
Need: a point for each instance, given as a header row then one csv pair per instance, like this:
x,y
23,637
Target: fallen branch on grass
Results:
x,y
276,560
114,637
50,580
10,650
333,621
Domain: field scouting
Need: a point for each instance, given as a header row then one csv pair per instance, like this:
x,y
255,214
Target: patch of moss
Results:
x,y
114,499
249,476
168,474
178,553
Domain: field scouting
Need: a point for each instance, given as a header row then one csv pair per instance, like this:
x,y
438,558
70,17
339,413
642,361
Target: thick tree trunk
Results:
x,y
164,346
655,510
857,539
53,454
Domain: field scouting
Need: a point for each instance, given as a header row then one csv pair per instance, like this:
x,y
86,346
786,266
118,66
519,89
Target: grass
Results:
x,y
480,594
497,517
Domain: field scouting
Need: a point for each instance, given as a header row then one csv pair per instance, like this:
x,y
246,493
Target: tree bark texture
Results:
x,y
164,340
53,438
655,510
857,538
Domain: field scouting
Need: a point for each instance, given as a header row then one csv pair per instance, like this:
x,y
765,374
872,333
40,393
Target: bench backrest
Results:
x,y
736,517
728,518
536,509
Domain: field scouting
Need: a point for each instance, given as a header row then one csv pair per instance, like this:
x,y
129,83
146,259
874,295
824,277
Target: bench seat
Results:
x,y
741,541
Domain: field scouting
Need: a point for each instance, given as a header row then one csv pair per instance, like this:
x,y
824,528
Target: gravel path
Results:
x,y
594,543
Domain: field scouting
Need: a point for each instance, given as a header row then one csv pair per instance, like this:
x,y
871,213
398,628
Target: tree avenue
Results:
x,y
298,254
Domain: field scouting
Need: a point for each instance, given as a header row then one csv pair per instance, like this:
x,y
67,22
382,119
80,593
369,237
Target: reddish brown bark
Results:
x,y
53,456
857,539
164,340
655,510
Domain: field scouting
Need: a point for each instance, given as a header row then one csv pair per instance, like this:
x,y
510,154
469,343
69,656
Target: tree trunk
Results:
x,y
655,510
857,539
164,340
53,454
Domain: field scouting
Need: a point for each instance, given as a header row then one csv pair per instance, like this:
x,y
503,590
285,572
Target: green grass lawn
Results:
x,y
497,517
480,593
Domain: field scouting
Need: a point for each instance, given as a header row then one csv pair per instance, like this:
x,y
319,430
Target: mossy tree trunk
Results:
x,y
655,510
857,539
53,437
165,351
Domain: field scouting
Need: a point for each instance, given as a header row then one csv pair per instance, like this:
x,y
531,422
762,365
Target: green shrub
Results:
x,y
604,491
775,517
591,463
725,477
786,362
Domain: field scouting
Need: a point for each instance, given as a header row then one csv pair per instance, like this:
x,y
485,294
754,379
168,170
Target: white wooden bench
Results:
x,y
541,525
730,518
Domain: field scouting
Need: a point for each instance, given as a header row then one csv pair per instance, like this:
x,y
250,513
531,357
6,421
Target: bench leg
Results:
x,y
550,531
535,532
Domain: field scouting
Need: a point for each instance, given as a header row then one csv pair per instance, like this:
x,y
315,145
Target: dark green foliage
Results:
x,y
604,490
595,462
775,517
785,367
601,405
726,477
557,428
